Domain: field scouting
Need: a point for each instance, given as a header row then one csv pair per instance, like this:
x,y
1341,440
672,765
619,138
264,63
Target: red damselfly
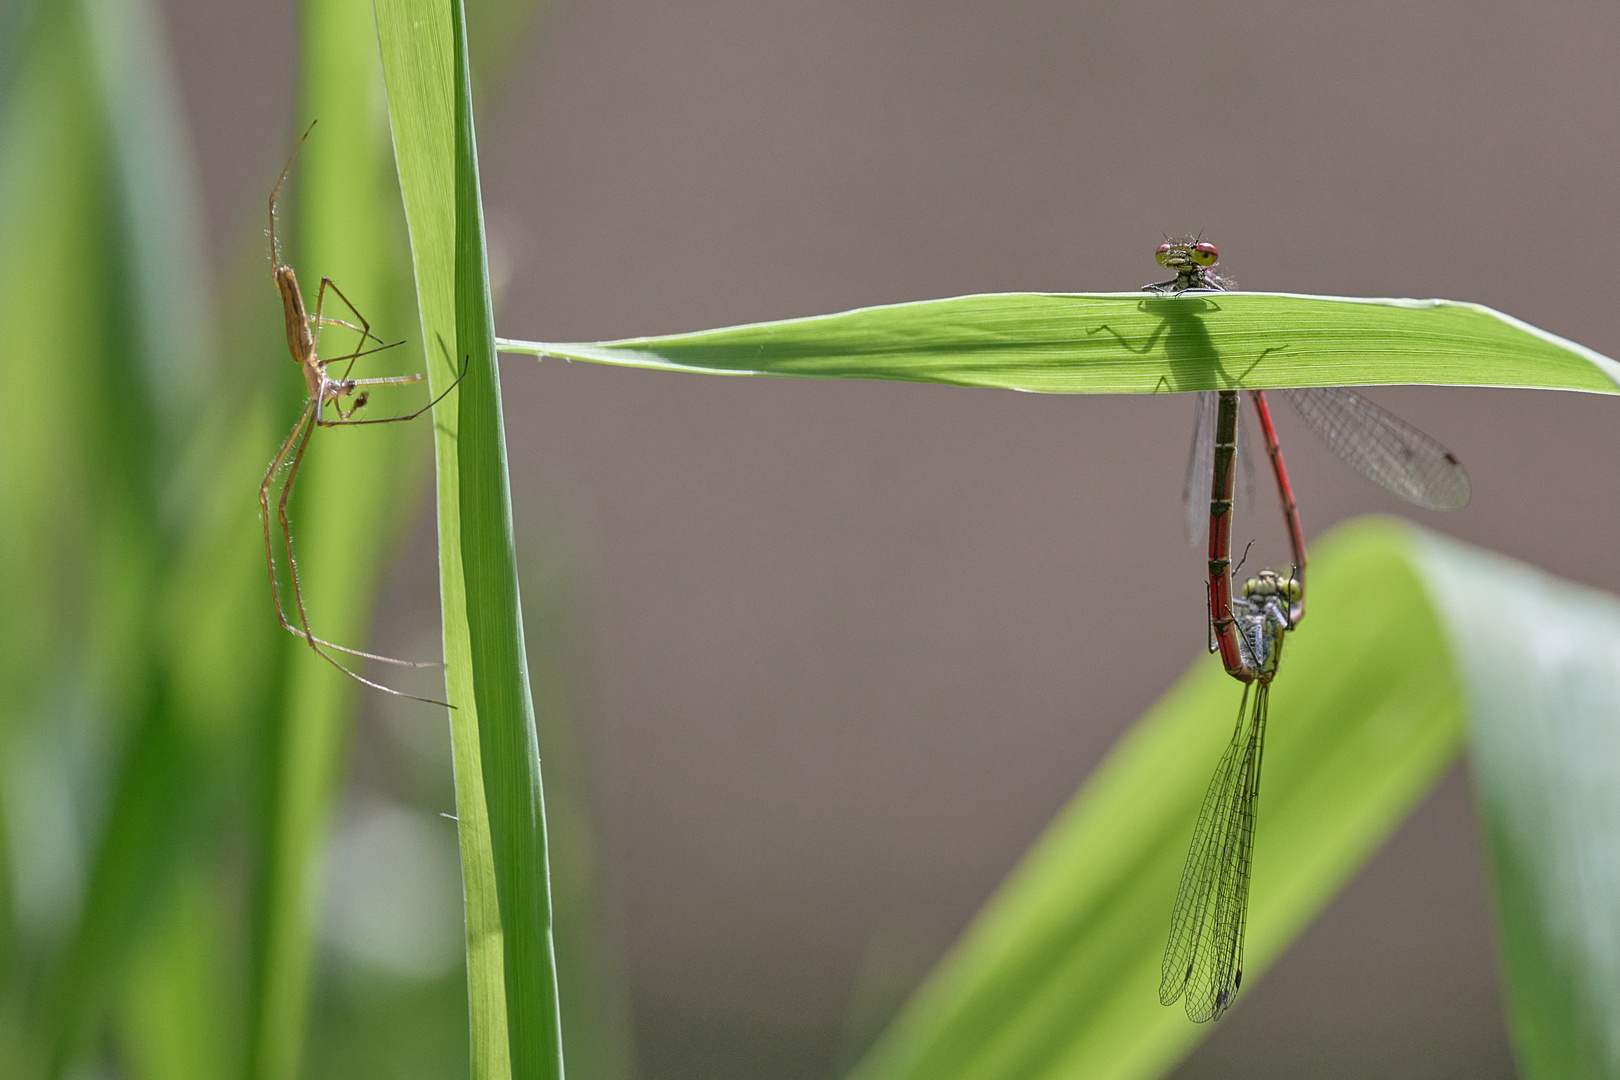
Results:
x,y
1379,445
1203,961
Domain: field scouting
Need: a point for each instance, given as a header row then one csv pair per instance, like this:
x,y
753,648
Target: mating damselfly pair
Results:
x,y
1203,961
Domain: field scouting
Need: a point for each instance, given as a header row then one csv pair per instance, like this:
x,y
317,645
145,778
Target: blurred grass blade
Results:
x,y
99,240
159,205
1058,976
178,1009
511,968
354,493
1542,664
1131,343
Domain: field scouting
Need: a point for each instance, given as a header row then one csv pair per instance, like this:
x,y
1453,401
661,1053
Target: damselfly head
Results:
x,y
1177,254
1267,584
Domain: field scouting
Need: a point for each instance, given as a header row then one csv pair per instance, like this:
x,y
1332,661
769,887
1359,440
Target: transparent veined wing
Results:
x,y
1382,447
1203,960
1195,488
1200,467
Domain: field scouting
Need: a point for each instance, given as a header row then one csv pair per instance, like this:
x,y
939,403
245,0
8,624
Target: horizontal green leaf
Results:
x,y
1132,343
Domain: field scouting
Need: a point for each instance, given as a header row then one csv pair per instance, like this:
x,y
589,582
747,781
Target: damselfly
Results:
x,y
1379,445
1203,961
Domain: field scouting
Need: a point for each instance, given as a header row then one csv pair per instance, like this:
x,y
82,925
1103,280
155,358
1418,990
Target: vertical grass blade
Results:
x,y
350,504
1541,660
511,969
98,244
510,751
510,747
417,67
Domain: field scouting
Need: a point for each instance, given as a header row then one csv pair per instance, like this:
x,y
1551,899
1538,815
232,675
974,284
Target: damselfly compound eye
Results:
x,y
1205,254
1162,256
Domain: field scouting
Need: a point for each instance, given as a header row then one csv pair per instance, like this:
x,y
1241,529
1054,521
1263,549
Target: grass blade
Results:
x,y
99,240
416,44
1541,659
1409,634
511,968
1131,343
353,494
1059,975
509,744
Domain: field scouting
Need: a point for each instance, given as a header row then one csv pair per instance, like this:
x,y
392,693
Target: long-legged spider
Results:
x,y
303,337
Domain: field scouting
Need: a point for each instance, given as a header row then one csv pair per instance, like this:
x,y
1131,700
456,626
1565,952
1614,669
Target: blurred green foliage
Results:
x,y
1059,976
1409,635
172,764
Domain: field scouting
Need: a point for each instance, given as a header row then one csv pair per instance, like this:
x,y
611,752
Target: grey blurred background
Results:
x,y
850,646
